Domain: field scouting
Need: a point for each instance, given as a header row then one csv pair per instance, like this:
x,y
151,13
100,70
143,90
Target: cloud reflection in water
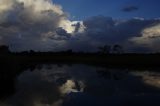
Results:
x,y
77,85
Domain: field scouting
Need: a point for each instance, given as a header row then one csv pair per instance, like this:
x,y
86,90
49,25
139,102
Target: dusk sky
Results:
x,y
80,25
81,9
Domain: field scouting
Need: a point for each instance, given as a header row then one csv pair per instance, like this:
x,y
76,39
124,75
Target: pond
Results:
x,y
84,85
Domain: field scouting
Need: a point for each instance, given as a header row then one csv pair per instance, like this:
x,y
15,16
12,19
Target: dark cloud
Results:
x,y
25,25
101,30
130,8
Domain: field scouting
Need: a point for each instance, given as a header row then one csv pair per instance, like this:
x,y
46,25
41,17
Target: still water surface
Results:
x,y
83,85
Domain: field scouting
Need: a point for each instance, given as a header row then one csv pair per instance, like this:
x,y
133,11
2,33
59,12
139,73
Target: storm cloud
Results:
x,y
101,30
29,24
41,25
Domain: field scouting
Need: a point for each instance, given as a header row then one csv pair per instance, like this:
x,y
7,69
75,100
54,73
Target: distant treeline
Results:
x,y
106,49
101,58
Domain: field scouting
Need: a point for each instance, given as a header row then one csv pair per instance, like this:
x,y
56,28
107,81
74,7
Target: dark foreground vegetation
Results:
x,y
115,60
100,58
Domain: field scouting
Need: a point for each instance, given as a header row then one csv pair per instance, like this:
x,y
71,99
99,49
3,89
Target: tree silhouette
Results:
x,y
106,49
4,49
117,49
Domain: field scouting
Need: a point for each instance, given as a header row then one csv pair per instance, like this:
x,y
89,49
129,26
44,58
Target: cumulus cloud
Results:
x,y
41,25
101,30
29,24
150,38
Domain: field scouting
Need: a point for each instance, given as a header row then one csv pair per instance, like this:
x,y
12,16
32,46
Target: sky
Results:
x,y
80,25
81,9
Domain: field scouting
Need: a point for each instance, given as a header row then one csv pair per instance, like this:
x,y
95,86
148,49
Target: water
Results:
x,y
84,85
